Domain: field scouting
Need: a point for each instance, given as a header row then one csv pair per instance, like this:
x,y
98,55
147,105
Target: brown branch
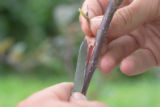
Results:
x,y
101,35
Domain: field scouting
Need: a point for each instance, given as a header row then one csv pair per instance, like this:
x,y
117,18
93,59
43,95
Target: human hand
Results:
x,y
58,96
133,38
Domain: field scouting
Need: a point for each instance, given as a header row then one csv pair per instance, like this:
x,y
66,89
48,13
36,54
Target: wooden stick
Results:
x,y
101,35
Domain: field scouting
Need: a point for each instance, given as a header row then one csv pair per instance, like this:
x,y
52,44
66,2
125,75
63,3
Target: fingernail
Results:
x,y
78,96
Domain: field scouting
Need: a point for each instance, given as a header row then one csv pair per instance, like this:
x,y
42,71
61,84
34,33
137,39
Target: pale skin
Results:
x,y
134,36
133,42
59,96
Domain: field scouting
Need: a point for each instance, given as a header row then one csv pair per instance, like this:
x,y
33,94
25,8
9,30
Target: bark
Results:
x,y
101,35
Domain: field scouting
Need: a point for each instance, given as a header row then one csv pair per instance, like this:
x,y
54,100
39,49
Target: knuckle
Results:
x,y
125,16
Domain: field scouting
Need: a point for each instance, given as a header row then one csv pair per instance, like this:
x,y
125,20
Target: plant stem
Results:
x,y
84,15
101,35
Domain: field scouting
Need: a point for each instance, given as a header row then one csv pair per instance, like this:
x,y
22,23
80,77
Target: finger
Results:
x,y
49,97
125,20
51,103
116,51
125,3
138,62
46,103
94,8
77,96
62,91
80,103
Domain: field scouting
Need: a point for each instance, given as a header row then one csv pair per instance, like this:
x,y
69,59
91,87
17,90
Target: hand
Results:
x,y
133,38
58,96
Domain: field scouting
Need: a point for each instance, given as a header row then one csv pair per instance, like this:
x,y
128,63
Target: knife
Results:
x,y
81,67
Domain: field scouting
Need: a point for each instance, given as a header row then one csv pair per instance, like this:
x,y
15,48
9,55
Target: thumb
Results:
x,y
77,96
126,19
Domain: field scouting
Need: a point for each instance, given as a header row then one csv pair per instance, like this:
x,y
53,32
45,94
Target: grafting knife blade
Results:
x,y
81,67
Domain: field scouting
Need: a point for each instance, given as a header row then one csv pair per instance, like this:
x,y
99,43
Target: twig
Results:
x,y
84,15
101,35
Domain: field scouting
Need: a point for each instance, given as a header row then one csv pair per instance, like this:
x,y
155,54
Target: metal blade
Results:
x,y
80,69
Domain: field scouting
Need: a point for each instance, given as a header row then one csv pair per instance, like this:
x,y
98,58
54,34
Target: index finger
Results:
x,y
94,8
60,91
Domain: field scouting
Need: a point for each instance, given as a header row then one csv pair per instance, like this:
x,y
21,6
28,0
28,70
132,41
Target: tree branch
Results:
x,y
101,35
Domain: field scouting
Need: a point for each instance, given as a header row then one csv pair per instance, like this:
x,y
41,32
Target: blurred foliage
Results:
x,y
30,21
28,30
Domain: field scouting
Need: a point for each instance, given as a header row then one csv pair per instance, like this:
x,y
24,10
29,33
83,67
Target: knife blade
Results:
x,y
80,68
